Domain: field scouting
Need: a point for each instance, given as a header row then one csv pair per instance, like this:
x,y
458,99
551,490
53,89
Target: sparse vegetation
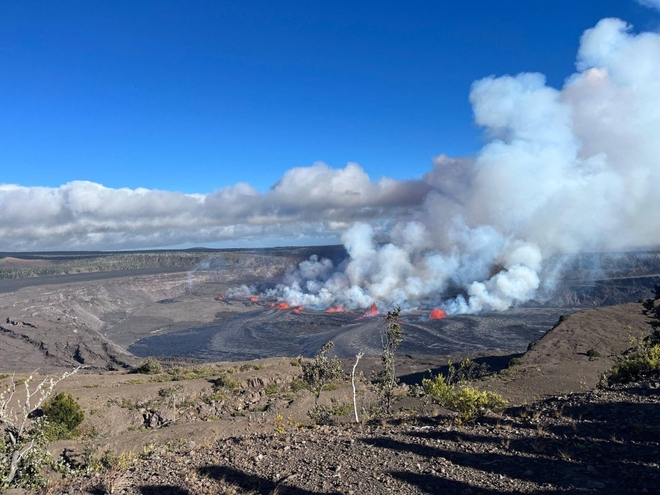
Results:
x,y
224,381
272,390
452,392
297,385
170,394
593,354
23,445
149,366
322,414
516,361
386,380
641,361
321,371
249,367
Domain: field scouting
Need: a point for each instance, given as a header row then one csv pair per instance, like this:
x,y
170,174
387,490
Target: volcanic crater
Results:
x,y
110,319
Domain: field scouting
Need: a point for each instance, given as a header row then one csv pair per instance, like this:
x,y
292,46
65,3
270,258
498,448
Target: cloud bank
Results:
x,y
314,202
564,170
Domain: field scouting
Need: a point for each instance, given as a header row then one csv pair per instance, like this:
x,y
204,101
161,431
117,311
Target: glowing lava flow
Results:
x,y
338,309
298,309
254,299
438,314
282,305
220,297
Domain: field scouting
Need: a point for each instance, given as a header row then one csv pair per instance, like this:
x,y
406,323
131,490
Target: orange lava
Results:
x,y
298,309
338,309
438,314
373,310
254,299
282,305
220,297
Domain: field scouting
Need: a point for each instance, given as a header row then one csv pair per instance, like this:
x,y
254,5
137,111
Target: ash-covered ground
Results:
x,y
111,319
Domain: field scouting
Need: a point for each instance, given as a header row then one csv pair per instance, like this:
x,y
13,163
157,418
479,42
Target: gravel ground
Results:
x,y
603,441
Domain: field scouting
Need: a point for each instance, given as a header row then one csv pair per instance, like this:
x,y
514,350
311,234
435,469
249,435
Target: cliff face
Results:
x,y
61,325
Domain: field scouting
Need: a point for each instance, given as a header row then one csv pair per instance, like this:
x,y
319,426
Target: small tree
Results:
x,y
321,371
386,380
23,444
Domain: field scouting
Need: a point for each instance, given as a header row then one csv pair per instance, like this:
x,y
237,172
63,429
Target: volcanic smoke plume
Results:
x,y
564,170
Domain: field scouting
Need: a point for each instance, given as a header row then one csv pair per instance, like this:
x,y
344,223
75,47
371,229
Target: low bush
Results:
x,y
467,401
322,414
225,381
63,415
297,385
150,366
639,362
516,361
593,354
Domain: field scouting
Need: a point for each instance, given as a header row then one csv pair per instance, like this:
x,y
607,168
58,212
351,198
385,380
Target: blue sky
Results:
x,y
144,124
195,96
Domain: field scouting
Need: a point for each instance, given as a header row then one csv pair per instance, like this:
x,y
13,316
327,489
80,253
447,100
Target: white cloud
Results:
x,y
654,4
307,202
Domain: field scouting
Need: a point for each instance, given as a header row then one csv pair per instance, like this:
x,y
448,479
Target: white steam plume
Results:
x,y
565,170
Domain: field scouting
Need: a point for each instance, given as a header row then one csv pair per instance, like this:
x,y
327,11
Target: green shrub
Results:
x,y
321,414
216,396
470,402
272,389
149,366
593,354
641,361
467,401
516,361
249,367
225,381
63,415
297,385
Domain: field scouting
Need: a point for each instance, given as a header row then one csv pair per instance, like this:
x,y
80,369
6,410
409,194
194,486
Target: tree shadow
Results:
x,y
495,364
610,446
162,490
511,465
250,482
435,484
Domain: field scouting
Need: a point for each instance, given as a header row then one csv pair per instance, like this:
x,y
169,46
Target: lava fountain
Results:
x,y
438,314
